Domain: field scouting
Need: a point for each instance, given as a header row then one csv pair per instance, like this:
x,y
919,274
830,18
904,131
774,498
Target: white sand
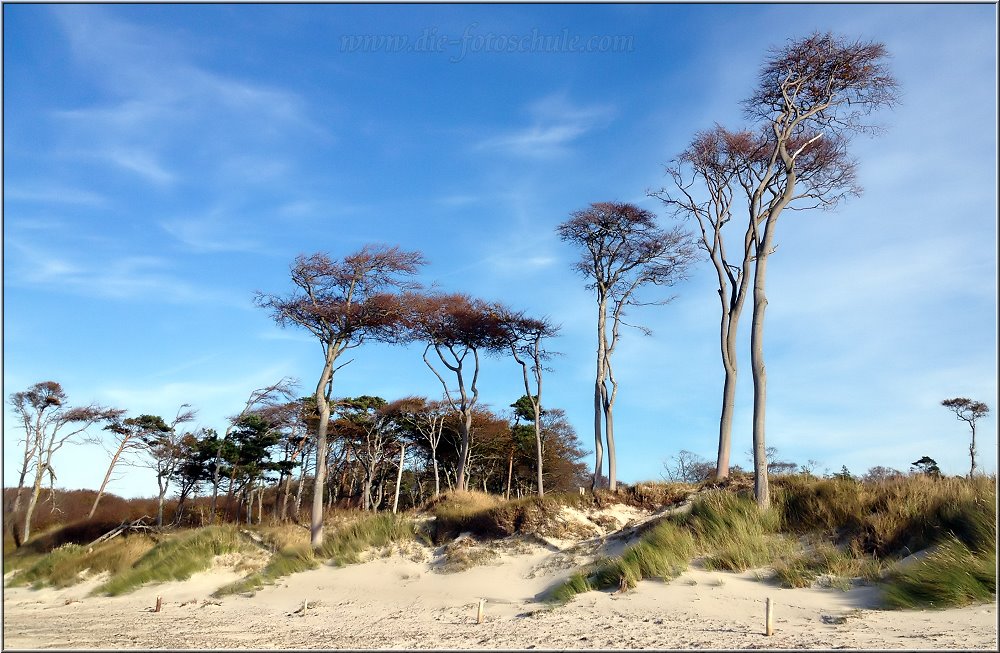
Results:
x,y
404,601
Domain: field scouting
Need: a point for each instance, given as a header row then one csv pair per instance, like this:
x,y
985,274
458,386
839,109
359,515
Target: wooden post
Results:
x,y
769,618
479,615
159,604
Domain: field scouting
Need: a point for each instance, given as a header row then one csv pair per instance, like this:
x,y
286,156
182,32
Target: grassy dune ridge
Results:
x,y
832,531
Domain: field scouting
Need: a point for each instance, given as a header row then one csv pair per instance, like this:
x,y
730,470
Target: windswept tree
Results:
x,y
127,438
525,337
260,399
163,450
457,328
343,303
623,251
970,412
49,424
812,96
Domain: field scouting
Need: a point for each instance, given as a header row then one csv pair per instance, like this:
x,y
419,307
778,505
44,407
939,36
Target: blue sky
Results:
x,y
161,163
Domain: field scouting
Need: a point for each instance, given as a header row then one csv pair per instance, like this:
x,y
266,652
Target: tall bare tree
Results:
x,y
623,251
49,424
456,326
525,336
812,96
343,304
706,177
969,411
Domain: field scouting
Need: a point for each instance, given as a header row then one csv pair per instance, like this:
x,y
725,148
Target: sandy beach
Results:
x,y
404,599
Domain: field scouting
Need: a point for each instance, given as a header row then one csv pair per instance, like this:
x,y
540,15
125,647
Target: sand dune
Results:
x,y
404,600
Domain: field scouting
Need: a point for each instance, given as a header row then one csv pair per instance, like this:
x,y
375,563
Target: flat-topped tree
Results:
x,y
970,412
343,303
458,328
624,250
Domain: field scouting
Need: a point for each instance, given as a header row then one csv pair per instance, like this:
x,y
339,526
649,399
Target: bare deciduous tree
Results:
x,y
706,177
969,411
48,426
524,336
623,250
428,419
812,96
343,304
126,440
456,326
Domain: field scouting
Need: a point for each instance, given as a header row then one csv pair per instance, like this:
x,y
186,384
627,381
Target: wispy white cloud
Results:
x,y
162,108
48,193
141,278
214,231
556,123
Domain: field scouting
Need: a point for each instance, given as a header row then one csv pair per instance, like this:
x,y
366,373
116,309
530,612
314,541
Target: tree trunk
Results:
x,y
464,426
36,491
728,401
598,430
299,490
972,451
159,503
437,477
538,447
104,483
366,491
759,370
510,473
399,477
322,394
609,421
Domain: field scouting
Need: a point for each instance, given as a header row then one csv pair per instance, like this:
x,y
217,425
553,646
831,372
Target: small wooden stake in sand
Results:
x,y
479,615
159,604
769,618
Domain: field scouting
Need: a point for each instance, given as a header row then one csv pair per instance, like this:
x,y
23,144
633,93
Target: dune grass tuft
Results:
x,y
662,552
176,557
342,546
951,576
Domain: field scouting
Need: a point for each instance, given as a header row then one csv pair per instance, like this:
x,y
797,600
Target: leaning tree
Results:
x,y
343,303
623,251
